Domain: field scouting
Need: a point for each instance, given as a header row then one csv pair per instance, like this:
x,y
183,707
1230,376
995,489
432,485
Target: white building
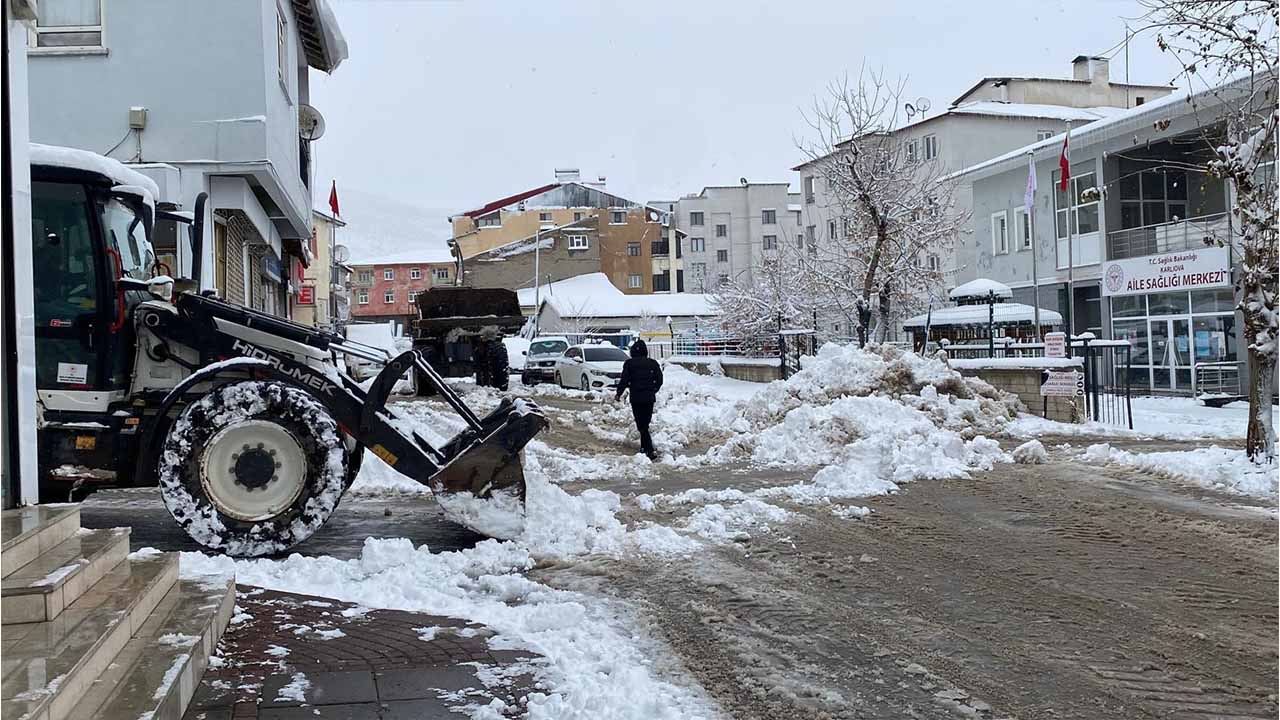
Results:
x,y
591,303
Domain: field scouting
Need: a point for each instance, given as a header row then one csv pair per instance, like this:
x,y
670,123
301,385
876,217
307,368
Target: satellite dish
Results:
x,y
310,123
341,253
911,111
923,105
742,180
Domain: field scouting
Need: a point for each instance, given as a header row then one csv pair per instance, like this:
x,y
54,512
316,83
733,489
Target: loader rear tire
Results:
x,y
253,468
499,366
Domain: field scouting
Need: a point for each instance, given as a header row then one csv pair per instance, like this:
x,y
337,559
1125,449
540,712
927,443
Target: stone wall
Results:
x,y
1025,383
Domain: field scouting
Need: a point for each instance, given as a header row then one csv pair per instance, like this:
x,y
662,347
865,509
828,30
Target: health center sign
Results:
x,y
1198,269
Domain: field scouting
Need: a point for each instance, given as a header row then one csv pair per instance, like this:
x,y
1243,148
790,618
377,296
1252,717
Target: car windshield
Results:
x,y
548,347
604,354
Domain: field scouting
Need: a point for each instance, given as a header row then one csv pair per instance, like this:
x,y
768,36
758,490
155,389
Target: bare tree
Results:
x,y
1229,47
893,206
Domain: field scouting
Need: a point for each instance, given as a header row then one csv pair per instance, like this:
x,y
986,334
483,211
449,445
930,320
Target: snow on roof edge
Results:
x,y
85,160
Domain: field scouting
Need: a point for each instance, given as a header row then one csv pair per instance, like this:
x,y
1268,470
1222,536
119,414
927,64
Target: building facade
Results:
x,y
994,116
1135,235
315,303
582,229
142,83
728,228
383,291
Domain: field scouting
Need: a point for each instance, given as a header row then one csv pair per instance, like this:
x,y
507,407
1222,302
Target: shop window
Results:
x,y
1129,306
1214,339
1135,332
1168,303
1208,301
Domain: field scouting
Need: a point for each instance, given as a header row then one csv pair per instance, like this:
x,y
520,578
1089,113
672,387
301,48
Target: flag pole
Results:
x,y
1071,256
1031,229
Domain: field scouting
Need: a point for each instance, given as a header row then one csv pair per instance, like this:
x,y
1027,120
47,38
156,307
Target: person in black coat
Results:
x,y
643,377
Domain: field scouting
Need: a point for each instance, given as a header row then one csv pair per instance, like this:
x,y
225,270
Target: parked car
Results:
x,y
590,367
540,358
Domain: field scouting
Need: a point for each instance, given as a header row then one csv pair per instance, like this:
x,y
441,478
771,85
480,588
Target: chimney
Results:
x,y
598,184
1094,69
567,175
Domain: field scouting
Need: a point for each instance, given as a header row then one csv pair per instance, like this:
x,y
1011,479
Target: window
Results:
x,y
577,216
440,273
661,282
934,263
770,242
362,297
365,277
618,217
695,218
1151,196
810,233
930,147
389,297
1138,100
848,226
912,150
544,217
413,295
769,217
1024,228
999,233
808,189
282,48
722,230
69,24
578,242
635,282
831,229
722,256
633,249
388,274
1043,135
1084,204
415,273
493,219
697,244
798,220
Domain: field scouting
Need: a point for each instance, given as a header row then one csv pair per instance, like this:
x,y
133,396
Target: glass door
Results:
x,y
1170,354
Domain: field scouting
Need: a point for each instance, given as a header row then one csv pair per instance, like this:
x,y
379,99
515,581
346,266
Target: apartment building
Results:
x,y
576,228
729,228
322,290
144,84
385,289
1128,235
995,115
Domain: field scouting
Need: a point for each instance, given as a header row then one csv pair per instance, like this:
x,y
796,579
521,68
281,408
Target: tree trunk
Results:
x,y
1260,439
886,307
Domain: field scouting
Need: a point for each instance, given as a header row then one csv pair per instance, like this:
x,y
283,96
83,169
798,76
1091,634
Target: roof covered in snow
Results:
x,y
428,254
593,296
1005,314
321,36
73,159
1032,110
980,288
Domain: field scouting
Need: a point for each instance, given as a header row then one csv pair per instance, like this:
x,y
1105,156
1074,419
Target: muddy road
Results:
x,y
1061,590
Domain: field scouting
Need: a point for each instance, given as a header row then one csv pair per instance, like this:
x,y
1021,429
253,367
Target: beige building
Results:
x,y
315,303
582,229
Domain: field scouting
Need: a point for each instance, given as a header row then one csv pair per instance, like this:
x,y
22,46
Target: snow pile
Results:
x,y
738,521
1031,452
1212,467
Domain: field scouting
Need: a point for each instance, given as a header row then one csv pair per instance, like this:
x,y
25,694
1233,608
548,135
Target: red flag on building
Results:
x,y
333,198
1064,162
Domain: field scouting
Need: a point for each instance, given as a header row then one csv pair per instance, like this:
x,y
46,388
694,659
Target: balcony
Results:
x,y
1189,234
660,248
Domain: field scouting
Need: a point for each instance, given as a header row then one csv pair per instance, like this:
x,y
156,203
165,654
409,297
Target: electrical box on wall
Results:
x,y
137,118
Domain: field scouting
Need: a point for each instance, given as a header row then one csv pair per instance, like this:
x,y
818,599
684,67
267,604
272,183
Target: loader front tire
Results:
x,y
253,468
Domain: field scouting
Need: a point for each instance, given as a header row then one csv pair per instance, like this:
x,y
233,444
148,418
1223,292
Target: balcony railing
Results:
x,y
1188,234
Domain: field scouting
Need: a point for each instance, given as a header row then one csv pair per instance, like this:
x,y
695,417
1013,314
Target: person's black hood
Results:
x,y
639,349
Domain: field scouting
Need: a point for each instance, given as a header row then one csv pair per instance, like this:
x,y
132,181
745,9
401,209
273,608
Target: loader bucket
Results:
x,y
482,485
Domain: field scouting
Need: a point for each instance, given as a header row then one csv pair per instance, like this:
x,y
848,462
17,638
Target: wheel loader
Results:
x,y
243,419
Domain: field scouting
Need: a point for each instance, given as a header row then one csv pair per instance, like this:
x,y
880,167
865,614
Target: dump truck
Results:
x,y
242,419
459,331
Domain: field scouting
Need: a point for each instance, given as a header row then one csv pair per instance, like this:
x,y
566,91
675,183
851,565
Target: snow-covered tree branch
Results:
x,y
1230,47
894,207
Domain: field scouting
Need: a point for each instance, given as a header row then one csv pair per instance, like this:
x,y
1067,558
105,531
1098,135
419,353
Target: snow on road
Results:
x,y
1212,467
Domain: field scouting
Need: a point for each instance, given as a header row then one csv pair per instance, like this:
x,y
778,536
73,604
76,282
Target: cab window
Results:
x,y
126,235
63,257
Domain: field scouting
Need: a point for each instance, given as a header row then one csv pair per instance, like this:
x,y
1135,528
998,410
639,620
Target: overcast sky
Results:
x,y
446,104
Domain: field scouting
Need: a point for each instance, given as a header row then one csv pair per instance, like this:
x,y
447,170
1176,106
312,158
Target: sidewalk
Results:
x,y
288,656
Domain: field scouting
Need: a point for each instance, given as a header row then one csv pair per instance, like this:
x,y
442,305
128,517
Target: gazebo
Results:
x,y
983,312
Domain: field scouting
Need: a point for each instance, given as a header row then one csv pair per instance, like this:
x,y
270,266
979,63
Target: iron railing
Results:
x,y
1219,382
1188,234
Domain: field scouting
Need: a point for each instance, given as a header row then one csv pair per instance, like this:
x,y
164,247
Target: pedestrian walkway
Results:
x,y
288,656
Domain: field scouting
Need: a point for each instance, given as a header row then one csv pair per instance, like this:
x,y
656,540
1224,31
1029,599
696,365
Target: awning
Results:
x,y
1006,314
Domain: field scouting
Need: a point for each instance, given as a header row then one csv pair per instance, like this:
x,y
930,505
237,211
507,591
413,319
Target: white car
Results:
x,y
590,367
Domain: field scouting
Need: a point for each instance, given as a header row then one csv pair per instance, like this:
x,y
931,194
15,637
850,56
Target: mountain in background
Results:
x,y
380,228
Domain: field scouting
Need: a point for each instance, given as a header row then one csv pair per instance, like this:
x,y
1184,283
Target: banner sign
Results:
x,y
1197,269
1055,345
307,295
1069,383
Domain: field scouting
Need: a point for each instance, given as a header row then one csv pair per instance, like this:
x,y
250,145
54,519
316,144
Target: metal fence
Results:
x,y
1107,396
787,346
1219,383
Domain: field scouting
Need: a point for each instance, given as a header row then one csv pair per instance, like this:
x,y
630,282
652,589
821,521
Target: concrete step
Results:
x,y
40,590
158,671
48,666
26,532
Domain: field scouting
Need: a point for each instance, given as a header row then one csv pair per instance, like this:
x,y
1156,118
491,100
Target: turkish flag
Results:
x,y
1064,164
333,198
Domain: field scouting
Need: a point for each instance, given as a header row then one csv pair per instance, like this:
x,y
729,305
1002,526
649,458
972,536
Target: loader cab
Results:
x,y
87,235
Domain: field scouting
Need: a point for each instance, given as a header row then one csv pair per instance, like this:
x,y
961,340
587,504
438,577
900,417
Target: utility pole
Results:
x,y
1071,251
1031,230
